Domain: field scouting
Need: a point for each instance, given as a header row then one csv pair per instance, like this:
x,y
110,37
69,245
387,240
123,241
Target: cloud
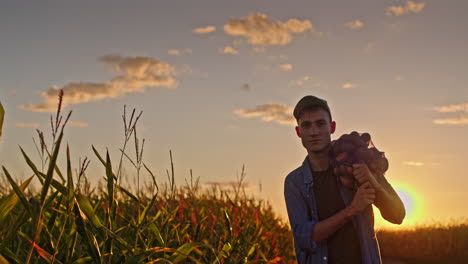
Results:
x,y
259,30
29,125
300,81
413,163
204,30
286,67
258,49
134,74
228,50
349,85
409,7
174,52
279,113
460,120
353,25
77,124
452,108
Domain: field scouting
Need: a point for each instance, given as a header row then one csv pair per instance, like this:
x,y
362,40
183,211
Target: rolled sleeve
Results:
x,y
302,223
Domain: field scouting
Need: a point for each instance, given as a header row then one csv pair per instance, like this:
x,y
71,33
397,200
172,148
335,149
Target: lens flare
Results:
x,y
413,206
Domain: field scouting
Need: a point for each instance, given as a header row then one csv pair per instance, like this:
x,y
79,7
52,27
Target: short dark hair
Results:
x,y
310,102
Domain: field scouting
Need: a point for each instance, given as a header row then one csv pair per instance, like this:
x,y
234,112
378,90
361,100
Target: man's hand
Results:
x,y
362,174
344,172
364,197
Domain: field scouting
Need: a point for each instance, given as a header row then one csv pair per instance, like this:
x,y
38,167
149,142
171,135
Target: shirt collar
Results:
x,y
307,171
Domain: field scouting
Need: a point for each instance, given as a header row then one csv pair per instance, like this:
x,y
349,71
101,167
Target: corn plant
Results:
x,y
68,222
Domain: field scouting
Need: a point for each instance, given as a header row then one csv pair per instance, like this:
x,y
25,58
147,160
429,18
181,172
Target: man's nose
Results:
x,y
314,130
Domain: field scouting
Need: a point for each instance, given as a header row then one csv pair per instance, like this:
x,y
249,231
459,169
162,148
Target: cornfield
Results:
x,y
68,222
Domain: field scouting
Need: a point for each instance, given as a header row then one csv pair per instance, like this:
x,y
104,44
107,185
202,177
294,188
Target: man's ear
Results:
x,y
333,127
298,132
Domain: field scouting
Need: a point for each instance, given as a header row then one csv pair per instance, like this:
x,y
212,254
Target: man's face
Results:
x,y
315,130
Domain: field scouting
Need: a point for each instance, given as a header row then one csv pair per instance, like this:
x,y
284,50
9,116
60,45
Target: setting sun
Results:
x,y
413,206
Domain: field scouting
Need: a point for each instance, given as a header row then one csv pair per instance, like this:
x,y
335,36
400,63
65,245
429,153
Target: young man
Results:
x,y
330,222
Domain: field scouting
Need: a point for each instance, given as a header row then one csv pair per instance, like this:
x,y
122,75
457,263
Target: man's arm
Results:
x,y
364,197
308,233
386,199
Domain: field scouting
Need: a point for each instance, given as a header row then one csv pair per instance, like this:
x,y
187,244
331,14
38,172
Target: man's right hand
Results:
x,y
364,197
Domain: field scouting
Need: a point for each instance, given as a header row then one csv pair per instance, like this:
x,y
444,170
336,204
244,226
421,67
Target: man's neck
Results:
x,y
319,161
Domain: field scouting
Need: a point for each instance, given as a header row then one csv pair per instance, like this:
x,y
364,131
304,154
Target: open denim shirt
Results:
x,y
302,212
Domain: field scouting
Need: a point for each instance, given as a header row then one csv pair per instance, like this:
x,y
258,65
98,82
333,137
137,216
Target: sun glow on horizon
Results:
x,y
413,205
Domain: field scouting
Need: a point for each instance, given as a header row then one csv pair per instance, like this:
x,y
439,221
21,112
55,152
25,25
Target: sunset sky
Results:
x,y
217,81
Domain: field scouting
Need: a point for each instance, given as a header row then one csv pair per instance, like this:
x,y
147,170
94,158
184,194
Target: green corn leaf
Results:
x,y
70,189
98,155
10,255
146,210
57,185
157,233
82,260
224,252
228,224
2,115
86,234
110,181
88,210
50,171
127,192
30,163
18,191
11,200
3,260
183,252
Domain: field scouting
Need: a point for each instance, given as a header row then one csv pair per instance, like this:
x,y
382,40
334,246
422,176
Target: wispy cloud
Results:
x,y
413,163
134,74
409,7
27,125
77,124
349,85
353,25
228,50
286,67
259,30
178,52
300,82
460,120
278,113
174,52
452,108
204,30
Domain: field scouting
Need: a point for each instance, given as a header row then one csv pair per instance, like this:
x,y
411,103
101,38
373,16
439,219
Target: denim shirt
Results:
x,y
302,212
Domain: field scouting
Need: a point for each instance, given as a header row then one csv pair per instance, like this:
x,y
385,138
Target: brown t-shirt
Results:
x,y
343,245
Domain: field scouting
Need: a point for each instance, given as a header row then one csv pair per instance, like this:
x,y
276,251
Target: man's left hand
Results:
x,y
362,174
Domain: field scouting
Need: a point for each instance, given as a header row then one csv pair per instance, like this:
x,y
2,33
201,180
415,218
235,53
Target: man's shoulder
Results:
x,y
295,176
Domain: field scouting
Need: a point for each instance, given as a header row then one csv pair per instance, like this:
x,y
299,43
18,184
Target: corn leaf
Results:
x,y
86,234
2,115
50,171
3,260
18,191
11,200
183,252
